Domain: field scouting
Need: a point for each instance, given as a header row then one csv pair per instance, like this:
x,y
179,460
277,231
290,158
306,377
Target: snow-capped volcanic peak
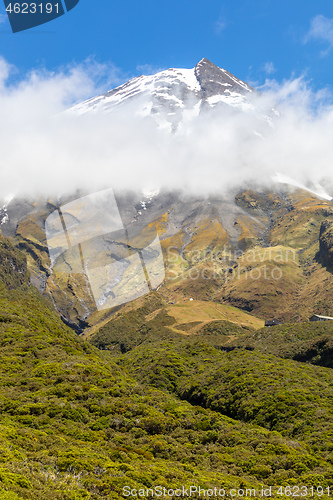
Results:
x,y
165,84
173,96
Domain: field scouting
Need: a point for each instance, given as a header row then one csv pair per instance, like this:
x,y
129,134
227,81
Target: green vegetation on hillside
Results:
x,y
280,395
307,342
75,425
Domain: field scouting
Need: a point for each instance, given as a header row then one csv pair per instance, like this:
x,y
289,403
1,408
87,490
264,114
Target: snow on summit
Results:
x,y
174,96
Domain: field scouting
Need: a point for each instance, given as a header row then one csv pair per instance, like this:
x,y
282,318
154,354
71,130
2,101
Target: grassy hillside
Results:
x,y
154,319
265,281
204,312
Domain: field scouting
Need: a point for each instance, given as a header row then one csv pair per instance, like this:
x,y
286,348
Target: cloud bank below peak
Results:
x,y
46,151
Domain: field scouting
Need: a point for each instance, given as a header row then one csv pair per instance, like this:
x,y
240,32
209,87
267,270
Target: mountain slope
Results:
x,y
77,426
256,250
153,319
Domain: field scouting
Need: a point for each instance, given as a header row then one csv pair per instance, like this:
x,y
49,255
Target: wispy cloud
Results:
x,y
3,18
220,25
269,68
321,29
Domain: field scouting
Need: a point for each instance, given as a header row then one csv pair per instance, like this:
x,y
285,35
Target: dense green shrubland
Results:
x,y
75,425
307,342
280,395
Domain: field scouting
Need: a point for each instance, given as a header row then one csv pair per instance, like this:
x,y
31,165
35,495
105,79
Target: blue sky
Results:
x,y
253,39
